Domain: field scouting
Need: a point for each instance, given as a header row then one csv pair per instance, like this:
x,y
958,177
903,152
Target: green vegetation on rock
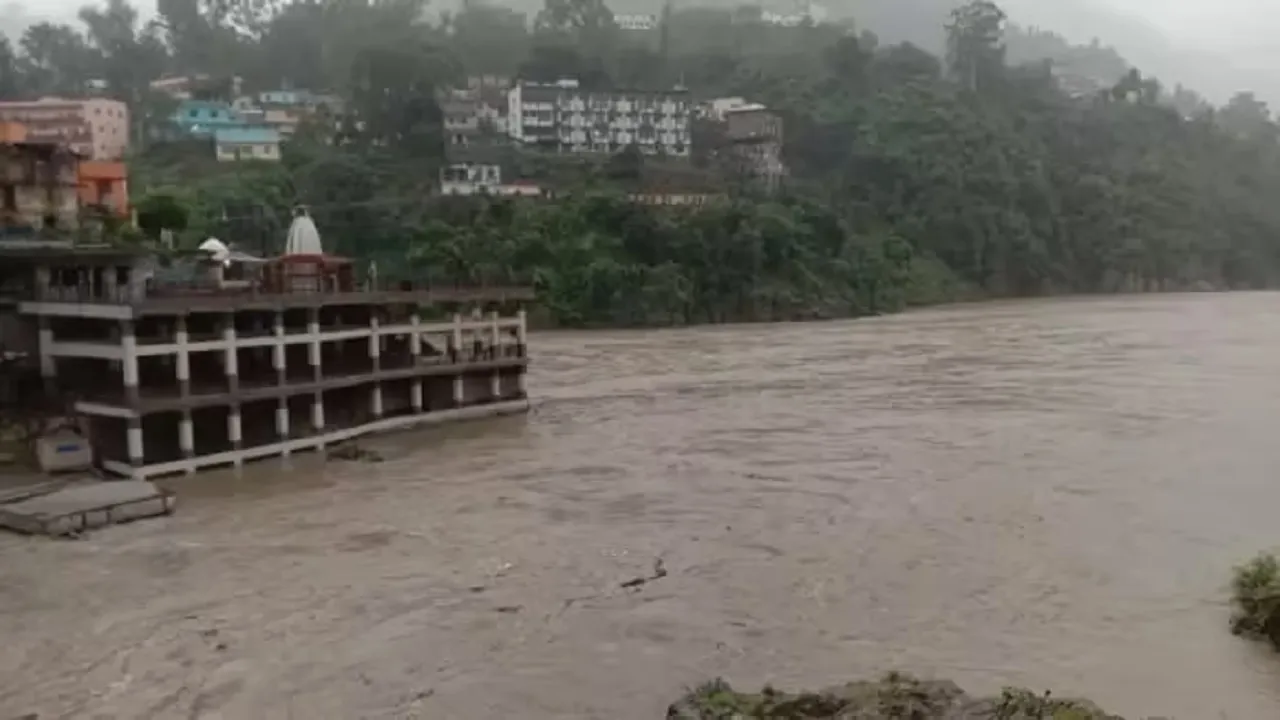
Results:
x,y
896,697
1256,596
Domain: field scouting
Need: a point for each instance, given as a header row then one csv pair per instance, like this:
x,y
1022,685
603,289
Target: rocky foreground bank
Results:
x,y
896,697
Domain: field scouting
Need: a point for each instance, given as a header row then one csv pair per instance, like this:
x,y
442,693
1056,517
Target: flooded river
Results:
x,y
1049,494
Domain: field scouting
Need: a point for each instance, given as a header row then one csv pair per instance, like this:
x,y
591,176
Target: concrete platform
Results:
x,y
69,509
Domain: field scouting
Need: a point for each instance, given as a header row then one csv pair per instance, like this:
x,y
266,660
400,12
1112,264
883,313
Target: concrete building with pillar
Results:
x,y
173,378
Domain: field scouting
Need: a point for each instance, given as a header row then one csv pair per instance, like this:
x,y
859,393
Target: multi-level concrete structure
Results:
x,y
254,359
563,117
473,111
751,137
96,128
38,184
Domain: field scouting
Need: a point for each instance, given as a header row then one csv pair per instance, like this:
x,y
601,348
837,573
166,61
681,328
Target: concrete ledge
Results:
x,y
81,507
315,442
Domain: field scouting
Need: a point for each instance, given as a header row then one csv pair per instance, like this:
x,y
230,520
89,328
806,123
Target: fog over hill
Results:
x,y
1220,49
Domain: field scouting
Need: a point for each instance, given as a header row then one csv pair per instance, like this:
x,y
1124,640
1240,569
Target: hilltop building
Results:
x,y
476,110
95,128
284,110
751,138
564,117
234,136
640,23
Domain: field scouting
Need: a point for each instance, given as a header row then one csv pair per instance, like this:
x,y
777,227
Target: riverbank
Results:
x,y
895,697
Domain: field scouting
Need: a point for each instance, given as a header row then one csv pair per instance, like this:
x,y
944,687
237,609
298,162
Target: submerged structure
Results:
x,y
242,357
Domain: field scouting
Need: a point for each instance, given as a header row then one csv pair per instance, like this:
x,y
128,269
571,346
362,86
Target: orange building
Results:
x,y
12,133
105,183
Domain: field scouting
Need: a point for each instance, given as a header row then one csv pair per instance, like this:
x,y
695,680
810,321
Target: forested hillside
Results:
x,y
914,177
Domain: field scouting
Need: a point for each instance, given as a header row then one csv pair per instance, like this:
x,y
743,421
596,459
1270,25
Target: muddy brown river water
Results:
x,y
1049,494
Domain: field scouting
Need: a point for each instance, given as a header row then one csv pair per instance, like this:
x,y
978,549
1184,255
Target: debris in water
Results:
x,y
353,452
659,572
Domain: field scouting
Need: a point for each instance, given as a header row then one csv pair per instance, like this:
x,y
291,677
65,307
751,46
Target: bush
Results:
x,y
1256,596
896,697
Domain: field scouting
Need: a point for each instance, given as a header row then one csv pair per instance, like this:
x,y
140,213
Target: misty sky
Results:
x,y
1178,37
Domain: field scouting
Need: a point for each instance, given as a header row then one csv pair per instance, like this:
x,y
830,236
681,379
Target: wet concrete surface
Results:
x,y
1049,494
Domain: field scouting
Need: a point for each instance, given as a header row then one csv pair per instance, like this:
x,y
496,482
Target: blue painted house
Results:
x,y
203,118
247,143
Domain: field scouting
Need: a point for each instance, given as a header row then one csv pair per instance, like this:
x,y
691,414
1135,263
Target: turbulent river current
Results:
x,y
1048,494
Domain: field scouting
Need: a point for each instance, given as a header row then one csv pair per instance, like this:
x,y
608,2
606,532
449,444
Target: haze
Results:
x,y
1217,48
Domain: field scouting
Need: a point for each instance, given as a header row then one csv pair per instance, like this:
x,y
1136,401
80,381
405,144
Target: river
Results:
x,y
1049,494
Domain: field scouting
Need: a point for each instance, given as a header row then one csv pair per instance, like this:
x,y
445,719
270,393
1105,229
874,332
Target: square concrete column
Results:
x,y
233,431
134,439
456,340
317,412
375,342
231,359
129,362
187,437
416,392
282,421
313,343
415,337
457,391
495,337
183,367
522,331
48,368
375,400
278,350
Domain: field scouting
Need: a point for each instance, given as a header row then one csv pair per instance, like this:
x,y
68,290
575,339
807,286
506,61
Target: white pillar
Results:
x,y
495,337
522,331
129,363
277,350
48,369
457,391
231,363
417,394
233,430
282,424
134,438
181,338
317,412
375,337
313,338
375,400
187,437
457,338
415,337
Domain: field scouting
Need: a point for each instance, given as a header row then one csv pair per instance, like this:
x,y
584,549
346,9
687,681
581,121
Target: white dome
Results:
x,y
303,238
216,249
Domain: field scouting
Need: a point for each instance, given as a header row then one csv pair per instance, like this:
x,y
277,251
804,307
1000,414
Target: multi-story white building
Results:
x,y
564,117
636,22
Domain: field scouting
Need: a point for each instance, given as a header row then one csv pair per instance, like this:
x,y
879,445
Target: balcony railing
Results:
x,y
178,292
